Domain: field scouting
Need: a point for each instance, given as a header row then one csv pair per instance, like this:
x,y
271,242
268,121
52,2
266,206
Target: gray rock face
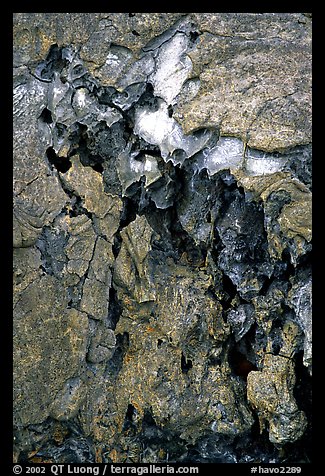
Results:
x,y
47,335
162,237
236,58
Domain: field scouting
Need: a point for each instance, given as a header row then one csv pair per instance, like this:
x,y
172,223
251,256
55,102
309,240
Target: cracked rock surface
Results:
x,y
162,237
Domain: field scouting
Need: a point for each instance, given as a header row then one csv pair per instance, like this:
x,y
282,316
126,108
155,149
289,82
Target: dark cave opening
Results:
x,y
129,425
114,364
239,363
114,309
78,209
194,35
303,394
46,116
98,168
229,292
62,164
186,364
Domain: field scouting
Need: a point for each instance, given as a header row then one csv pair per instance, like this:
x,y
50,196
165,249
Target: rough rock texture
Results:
x,y
162,237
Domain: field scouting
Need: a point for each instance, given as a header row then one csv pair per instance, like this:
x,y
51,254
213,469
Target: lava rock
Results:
x,y
162,237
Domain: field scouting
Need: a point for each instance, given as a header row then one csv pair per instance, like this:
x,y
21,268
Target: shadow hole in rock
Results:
x,y
256,428
194,36
303,387
125,340
170,110
60,129
80,142
114,310
88,159
78,71
148,418
98,168
78,209
134,32
286,258
276,348
44,272
54,62
130,412
159,343
117,243
303,395
276,335
183,244
239,363
265,286
114,365
70,389
130,209
255,444
229,290
148,99
128,125
246,344
152,434
46,116
186,365
54,53
62,164
128,419
104,95
305,260
214,361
